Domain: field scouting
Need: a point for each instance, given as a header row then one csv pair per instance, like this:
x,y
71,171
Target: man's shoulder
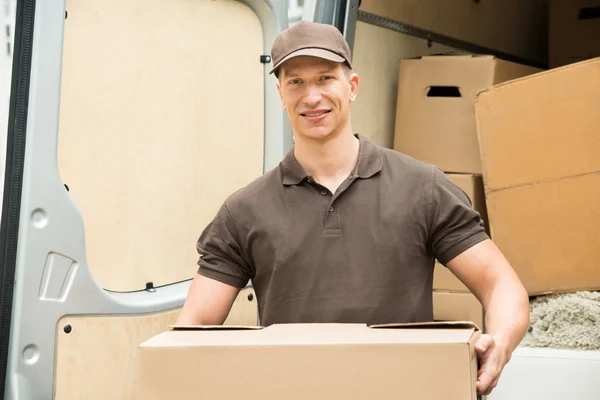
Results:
x,y
249,194
402,165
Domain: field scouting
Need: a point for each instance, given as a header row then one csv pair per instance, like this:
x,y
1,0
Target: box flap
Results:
x,y
429,325
538,75
213,327
314,334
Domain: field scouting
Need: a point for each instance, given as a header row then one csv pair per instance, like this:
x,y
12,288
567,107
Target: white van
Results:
x,y
129,124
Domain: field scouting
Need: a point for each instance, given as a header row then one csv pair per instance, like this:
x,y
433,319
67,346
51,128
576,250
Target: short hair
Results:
x,y
347,70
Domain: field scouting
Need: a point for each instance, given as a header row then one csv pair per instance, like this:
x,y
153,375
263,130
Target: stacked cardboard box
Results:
x,y
435,117
435,123
539,140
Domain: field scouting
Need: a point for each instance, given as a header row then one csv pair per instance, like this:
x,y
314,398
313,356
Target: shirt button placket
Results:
x,y
331,222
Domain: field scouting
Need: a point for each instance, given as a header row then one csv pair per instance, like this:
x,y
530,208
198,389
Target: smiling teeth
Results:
x,y
314,115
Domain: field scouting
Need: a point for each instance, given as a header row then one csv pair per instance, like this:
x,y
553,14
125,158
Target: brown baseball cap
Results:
x,y
310,39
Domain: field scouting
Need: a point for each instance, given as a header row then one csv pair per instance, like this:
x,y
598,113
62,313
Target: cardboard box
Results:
x,y
574,31
311,361
435,119
454,306
540,145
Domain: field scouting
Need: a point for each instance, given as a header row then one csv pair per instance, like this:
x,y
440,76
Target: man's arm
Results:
x,y
208,302
223,271
489,276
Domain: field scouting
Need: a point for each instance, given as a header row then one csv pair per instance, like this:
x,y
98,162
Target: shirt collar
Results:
x,y
369,163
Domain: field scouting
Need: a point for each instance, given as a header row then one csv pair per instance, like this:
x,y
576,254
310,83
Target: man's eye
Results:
x,y
294,81
327,77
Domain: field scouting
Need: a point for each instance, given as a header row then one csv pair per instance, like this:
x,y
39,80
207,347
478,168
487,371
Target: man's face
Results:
x,y
316,94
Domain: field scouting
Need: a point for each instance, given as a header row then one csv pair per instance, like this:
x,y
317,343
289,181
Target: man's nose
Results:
x,y
312,95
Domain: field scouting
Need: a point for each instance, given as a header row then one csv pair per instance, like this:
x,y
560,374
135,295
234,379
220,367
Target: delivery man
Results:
x,y
343,230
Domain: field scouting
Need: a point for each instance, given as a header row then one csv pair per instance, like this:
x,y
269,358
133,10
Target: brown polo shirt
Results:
x,y
363,254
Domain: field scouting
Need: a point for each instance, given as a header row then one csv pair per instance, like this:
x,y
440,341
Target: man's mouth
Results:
x,y
316,113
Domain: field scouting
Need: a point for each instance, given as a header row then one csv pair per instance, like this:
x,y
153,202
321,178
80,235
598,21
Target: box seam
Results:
x,y
523,185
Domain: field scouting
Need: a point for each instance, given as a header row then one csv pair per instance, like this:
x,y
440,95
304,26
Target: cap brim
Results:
x,y
320,53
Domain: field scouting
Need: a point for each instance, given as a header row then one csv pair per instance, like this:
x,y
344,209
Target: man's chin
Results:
x,y
316,134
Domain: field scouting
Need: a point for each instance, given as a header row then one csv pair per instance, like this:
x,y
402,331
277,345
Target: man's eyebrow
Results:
x,y
292,72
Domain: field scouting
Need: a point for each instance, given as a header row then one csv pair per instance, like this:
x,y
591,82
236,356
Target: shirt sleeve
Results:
x,y
455,225
221,252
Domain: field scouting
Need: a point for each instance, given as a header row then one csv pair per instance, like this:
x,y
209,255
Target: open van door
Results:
x,y
129,124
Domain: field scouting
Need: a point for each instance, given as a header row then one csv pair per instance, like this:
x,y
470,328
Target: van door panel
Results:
x,y
161,117
97,356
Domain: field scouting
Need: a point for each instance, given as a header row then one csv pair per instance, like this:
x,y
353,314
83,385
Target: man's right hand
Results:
x,y
208,302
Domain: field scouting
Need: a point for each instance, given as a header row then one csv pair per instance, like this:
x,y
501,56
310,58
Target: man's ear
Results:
x,y
354,81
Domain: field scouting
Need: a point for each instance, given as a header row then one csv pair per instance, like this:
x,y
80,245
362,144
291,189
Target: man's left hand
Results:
x,y
492,359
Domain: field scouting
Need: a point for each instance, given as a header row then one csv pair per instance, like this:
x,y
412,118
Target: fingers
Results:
x,y
491,387
486,382
491,364
484,343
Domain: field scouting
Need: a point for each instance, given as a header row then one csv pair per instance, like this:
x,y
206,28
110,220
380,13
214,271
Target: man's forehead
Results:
x,y
308,65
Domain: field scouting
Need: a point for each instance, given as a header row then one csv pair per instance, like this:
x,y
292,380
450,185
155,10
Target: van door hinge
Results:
x,y
265,59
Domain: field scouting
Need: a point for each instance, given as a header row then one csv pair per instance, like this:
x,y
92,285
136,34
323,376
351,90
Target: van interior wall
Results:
x,y
511,26
147,143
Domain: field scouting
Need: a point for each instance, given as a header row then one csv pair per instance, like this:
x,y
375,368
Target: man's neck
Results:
x,y
329,162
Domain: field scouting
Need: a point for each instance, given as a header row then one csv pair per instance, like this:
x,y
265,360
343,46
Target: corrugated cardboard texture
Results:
x,y
450,306
435,119
550,233
441,130
540,143
541,128
327,361
574,31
